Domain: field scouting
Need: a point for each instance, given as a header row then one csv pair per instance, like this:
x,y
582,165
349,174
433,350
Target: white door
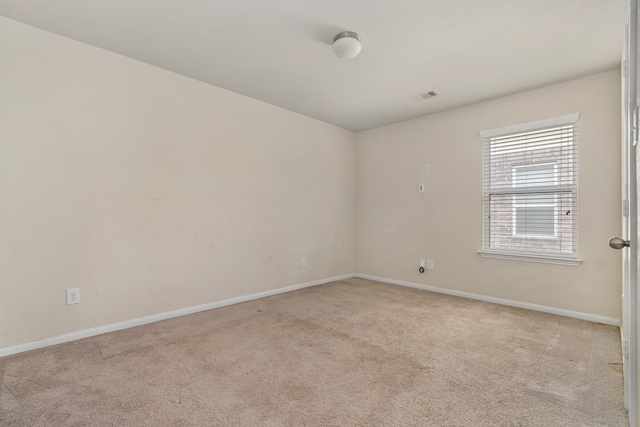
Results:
x,y
628,240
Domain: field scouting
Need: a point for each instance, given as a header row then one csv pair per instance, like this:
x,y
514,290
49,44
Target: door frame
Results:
x,y
628,326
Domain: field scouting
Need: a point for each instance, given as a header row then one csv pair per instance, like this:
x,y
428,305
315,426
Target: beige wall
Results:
x,y
397,226
151,191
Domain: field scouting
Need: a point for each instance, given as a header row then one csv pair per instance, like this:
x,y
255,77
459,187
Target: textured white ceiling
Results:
x,y
279,51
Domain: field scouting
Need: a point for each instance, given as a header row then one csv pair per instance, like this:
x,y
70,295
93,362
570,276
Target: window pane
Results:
x,y
532,175
535,221
531,227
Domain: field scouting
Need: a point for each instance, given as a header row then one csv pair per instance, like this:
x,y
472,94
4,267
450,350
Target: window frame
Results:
x,y
522,254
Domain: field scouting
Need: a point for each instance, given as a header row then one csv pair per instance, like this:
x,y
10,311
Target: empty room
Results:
x,y
287,213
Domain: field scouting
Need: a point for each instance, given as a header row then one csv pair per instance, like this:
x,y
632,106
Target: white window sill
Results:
x,y
575,262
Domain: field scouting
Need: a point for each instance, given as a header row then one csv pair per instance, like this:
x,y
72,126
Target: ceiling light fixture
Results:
x,y
347,44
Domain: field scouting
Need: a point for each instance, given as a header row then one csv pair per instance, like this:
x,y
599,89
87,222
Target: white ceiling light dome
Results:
x,y
347,44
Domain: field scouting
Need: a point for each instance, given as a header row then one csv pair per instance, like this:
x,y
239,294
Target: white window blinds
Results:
x,y
530,189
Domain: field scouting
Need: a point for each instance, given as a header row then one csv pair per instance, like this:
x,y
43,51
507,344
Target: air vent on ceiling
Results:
x,y
423,96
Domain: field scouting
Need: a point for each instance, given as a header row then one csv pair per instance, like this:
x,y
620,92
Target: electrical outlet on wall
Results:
x,y
303,263
73,296
429,264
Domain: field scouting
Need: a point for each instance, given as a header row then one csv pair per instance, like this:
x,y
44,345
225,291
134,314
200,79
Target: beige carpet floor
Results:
x,y
349,353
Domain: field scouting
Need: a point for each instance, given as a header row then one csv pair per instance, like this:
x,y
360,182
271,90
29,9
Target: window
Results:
x,y
530,191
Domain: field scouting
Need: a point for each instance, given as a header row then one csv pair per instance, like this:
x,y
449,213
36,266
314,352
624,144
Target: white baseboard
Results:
x,y
536,307
73,336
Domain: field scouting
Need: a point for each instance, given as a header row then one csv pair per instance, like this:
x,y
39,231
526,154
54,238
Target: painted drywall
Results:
x,y
397,226
151,191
